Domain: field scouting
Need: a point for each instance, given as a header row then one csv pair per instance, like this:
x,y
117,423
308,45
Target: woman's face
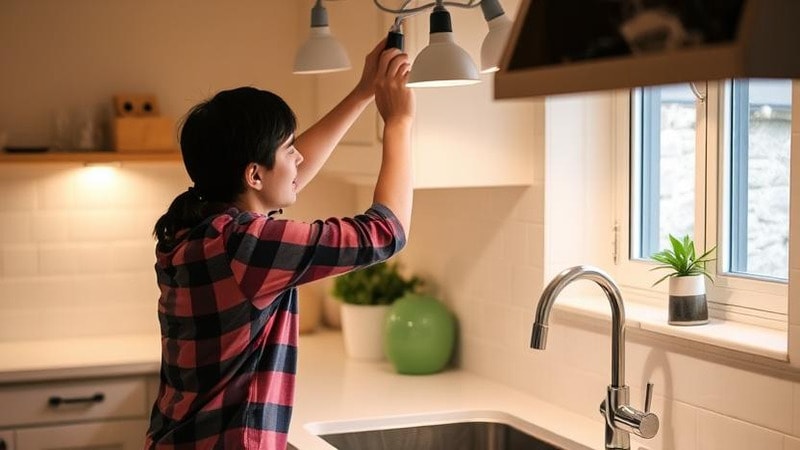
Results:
x,y
280,182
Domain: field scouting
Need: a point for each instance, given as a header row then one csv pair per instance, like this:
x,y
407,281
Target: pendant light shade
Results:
x,y
442,62
321,53
494,43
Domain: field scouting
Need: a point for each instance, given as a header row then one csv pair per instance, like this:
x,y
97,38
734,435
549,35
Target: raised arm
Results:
x,y
396,103
317,143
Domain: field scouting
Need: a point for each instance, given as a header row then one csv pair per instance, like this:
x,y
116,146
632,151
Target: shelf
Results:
x,y
90,157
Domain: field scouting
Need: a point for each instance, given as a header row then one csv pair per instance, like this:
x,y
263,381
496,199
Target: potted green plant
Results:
x,y
686,273
366,296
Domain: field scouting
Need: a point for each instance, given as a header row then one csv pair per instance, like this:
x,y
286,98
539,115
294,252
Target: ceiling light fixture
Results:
x,y
443,62
495,41
321,53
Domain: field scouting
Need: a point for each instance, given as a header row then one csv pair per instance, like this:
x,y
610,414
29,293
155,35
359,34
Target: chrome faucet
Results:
x,y
621,418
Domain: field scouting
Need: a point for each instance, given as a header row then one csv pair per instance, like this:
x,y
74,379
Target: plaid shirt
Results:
x,y
228,315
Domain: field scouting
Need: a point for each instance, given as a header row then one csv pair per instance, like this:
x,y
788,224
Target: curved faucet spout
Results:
x,y
548,298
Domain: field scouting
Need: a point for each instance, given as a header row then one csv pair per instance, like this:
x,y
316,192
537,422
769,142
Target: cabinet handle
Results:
x,y
56,401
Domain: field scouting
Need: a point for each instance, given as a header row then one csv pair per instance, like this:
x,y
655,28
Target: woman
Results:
x,y
228,270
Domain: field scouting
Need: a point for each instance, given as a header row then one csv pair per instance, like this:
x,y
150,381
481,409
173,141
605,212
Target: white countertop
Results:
x,y
334,393
337,394
84,357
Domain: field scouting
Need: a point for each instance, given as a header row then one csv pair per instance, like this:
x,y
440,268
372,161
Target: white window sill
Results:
x,y
739,337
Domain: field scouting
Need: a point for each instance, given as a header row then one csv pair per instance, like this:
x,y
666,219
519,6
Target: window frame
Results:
x,y
731,297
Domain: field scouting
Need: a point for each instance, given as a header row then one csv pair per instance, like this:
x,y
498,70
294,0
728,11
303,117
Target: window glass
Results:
x,y
665,120
760,137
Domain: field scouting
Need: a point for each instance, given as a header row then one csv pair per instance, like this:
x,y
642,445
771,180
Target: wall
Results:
x,y
491,251
64,58
76,253
76,250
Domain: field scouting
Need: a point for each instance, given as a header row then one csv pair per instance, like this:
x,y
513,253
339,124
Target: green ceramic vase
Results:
x,y
419,335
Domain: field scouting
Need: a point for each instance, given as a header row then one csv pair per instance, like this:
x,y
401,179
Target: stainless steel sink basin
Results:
x,y
450,436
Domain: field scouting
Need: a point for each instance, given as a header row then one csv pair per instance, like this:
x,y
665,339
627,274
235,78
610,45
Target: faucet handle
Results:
x,y
648,397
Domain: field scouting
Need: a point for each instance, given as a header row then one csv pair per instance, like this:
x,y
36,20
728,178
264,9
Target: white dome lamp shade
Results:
x,y
321,53
442,63
495,41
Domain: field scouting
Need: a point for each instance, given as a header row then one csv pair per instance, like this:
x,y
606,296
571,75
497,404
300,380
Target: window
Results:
x,y
664,132
710,160
757,202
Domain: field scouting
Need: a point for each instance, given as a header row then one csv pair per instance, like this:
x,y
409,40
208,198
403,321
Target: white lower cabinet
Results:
x,y
110,435
97,414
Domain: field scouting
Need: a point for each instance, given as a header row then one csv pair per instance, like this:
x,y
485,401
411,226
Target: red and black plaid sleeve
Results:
x,y
228,317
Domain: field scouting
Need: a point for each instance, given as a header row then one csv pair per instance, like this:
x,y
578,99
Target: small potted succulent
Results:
x,y
687,274
367,295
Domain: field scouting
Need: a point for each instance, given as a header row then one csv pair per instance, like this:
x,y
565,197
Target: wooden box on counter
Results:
x,y
144,134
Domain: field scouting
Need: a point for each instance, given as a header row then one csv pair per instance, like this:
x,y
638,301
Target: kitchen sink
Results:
x,y
446,430
451,436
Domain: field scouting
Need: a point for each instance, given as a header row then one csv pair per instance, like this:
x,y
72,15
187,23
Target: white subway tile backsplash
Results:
x,y
515,245
718,432
52,226
677,425
796,409
136,288
753,397
77,252
94,258
16,195
55,188
59,259
589,351
34,294
132,255
534,245
526,284
528,206
16,227
98,225
18,261
136,224
791,443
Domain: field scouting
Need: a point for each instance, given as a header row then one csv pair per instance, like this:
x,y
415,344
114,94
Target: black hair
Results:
x,y
219,138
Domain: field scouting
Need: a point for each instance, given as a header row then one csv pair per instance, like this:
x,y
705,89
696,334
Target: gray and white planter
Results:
x,y
687,300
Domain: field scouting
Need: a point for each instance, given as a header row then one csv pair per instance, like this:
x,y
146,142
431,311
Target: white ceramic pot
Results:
x,y
687,300
332,311
362,328
310,308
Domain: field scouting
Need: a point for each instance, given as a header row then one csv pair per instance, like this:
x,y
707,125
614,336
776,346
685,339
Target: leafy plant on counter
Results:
x,y
681,260
378,284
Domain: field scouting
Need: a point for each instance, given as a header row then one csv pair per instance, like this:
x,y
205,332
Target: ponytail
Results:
x,y
186,211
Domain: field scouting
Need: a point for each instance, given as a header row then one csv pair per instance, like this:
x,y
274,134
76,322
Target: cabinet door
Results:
x,y
112,435
80,400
